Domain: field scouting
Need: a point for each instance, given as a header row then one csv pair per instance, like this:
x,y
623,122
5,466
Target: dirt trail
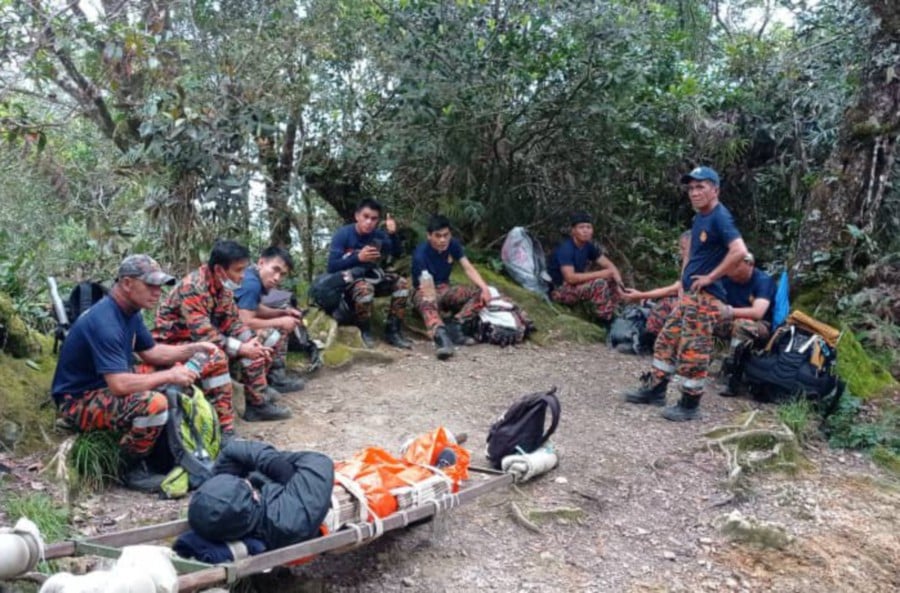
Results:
x,y
649,490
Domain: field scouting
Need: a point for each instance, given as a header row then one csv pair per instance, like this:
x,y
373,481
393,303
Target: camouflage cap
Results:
x,y
144,268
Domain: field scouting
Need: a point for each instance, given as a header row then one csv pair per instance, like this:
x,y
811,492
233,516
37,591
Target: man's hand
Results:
x,y
287,324
632,294
390,225
253,349
369,254
182,376
209,347
295,313
486,296
700,281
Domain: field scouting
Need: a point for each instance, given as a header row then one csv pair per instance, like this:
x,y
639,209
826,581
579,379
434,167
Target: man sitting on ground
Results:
x,y
436,256
202,308
747,319
363,245
95,386
272,326
575,281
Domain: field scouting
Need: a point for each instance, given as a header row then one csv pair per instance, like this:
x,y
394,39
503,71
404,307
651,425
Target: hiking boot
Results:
x,y
457,335
393,335
685,409
625,348
365,332
648,393
265,413
137,475
280,381
443,343
732,385
271,395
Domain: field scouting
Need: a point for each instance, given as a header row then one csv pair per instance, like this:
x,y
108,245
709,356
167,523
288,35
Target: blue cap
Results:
x,y
701,174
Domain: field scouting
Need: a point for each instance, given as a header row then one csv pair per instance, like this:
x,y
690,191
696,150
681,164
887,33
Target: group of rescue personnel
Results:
x,y
220,310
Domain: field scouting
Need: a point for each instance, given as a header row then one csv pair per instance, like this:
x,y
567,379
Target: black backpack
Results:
x,y
521,428
796,363
81,298
630,328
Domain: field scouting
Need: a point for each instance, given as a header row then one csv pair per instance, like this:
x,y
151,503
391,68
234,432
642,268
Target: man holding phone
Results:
x,y
363,247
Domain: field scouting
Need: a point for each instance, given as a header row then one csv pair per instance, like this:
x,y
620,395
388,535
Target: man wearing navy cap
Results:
x,y
685,344
581,272
95,386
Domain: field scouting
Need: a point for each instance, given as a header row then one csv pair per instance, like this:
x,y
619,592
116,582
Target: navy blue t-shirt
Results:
x,y
101,341
439,265
760,286
346,243
568,254
251,290
710,236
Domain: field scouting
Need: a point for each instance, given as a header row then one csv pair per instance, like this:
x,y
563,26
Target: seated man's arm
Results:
x,y
122,384
473,275
164,355
657,293
756,311
570,276
607,265
338,260
264,317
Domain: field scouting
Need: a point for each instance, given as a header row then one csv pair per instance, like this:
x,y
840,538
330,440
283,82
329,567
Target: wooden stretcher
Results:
x,y
195,576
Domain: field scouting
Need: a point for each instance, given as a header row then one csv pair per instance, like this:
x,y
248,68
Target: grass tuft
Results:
x,y
796,415
94,459
51,518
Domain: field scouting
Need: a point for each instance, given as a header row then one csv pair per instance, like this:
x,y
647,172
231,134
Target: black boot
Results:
x,y
393,335
265,412
365,332
280,381
648,393
443,343
685,409
457,335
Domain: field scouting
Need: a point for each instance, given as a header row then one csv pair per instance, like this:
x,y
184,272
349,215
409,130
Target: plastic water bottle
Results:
x,y
272,339
426,286
197,361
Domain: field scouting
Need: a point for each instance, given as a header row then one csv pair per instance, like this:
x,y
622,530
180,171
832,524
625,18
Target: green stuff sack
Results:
x,y
194,439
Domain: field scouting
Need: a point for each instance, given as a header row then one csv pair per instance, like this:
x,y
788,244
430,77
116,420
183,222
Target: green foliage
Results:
x,y
51,518
796,415
864,376
858,424
94,459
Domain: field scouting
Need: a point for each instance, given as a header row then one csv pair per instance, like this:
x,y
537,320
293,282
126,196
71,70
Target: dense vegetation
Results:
x,y
159,125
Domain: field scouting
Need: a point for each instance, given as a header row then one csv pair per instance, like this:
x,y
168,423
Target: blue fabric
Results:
x,y
251,290
191,545
781,308
346,243
102,341
568,254
710,236
439,265
760,286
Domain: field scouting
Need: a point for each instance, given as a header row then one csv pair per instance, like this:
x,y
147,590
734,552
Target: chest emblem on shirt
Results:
x,y
703,236
449,259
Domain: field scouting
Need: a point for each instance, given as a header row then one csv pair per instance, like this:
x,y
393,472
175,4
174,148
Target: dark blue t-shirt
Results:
x,y
568,254
346,243
439,265
760,285
710,236
251,290
101,341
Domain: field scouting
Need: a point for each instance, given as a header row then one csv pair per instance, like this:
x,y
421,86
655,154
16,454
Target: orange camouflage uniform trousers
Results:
x,y
599,292
659,312
140,417
463,302
685,343
361,295
200,309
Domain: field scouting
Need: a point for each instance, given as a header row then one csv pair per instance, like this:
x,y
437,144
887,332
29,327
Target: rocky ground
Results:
x,y
642,499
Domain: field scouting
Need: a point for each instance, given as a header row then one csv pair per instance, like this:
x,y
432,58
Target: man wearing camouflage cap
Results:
x,y
95,386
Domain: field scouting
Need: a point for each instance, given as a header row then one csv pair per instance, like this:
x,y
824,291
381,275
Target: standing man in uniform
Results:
x,y
272,326
95,386
202,308
363,245
573,279
685,344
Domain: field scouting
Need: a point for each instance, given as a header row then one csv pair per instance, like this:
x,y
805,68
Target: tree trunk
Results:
x,y
338,183
279,167
857,174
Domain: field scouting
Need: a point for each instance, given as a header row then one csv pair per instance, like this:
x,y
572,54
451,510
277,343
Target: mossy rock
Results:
x,y
25,406
865,377
343,344
16,338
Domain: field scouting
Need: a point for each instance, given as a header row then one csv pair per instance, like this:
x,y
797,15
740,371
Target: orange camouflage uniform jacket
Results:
x,y
201,309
